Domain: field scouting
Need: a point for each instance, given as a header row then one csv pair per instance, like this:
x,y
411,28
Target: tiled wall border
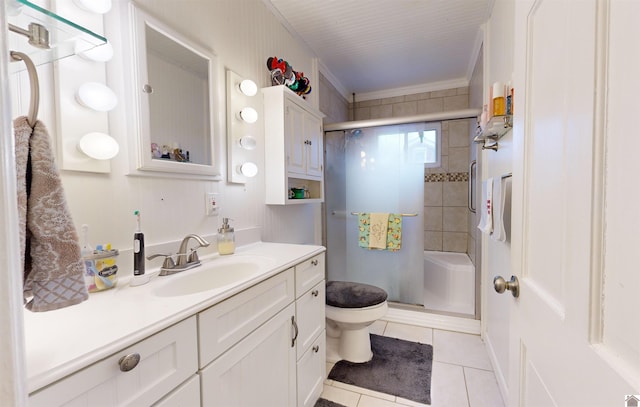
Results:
x,y
447,176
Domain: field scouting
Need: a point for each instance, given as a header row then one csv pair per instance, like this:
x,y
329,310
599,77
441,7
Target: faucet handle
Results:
x,y
193,256
168,260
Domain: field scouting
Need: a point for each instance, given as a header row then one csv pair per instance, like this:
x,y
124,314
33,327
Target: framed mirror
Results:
x,y
175,98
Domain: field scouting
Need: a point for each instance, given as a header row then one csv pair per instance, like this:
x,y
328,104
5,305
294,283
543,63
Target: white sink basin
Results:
x,y
214,274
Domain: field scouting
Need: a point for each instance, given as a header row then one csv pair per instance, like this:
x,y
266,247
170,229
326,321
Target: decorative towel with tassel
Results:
x,y
486,207
53,267
380,231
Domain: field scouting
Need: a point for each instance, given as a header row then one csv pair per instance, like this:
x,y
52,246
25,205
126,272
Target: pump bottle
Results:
x,y
226,238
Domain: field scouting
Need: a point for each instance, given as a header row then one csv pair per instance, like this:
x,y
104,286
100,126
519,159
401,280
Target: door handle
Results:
x,y
500,285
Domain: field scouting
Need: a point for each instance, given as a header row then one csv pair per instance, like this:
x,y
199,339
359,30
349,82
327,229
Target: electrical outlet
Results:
x,y
212,205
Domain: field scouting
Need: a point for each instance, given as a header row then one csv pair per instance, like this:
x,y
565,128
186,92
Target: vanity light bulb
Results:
x,y
99,146
248,142
249,115
249,169
248,87
97,96
95,6
101,53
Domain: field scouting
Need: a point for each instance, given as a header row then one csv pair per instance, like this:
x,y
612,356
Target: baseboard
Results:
x,y
499,374
428,320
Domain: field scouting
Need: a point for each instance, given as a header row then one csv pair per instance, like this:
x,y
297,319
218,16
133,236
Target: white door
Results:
x,y
568,347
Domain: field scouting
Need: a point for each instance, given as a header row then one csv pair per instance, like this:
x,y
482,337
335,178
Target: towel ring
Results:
x,y
35,86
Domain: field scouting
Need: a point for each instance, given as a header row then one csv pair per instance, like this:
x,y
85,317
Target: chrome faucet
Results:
x,y
184,261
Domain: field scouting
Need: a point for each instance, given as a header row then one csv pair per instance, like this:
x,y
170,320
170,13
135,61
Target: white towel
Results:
x,y
486,207
499,192
378,230
504,211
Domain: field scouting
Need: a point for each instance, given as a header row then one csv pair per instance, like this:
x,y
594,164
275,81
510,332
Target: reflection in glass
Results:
x,y
179,104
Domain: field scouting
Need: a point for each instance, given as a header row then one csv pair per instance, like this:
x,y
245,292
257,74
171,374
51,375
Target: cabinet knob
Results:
x,y
316,348
314,262
129,362
314,293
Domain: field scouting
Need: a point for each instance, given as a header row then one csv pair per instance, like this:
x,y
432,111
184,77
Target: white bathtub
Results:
x,y
449,282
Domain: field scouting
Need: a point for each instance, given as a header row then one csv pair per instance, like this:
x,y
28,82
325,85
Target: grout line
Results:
x,y
466,388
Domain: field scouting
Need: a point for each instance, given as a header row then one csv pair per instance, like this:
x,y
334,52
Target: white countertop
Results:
x,y
63,341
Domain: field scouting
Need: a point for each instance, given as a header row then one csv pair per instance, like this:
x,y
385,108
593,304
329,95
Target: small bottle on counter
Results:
x,y
226,238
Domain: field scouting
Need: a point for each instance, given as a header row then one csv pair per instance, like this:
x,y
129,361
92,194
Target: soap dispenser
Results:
x,y
226,238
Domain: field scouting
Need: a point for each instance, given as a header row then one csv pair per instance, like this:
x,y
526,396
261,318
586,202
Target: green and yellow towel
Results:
x,y
376,234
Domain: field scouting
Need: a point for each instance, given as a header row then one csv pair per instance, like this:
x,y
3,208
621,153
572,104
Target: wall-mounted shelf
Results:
x,y
66,38
497,127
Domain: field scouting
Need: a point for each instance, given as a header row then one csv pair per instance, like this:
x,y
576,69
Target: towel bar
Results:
x,y
404,215
35,87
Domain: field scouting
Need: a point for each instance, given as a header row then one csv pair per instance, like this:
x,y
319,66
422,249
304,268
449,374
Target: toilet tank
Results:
x,y
449,282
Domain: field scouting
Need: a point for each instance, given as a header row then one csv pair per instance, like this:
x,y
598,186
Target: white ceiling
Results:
x,y
380,45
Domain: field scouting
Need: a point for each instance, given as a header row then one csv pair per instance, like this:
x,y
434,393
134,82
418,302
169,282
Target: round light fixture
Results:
x,y
248,87
249,169
101,53
97,96
95,6
249,115
99,146
248,142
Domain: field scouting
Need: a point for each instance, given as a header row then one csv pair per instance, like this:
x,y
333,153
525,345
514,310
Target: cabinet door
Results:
x,y
311,372
186,395
259,371
313,138
295,138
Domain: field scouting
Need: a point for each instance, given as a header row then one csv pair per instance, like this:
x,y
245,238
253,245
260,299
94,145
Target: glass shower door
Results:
x,y
383,172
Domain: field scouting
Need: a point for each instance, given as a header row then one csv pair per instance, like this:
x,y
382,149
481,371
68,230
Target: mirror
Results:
x,y
175,92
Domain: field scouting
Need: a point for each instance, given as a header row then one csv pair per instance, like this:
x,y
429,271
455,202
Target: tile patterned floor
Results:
x,y
462,374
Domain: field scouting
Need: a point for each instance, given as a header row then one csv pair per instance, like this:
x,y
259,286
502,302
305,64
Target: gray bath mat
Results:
x,y
398,367
326,403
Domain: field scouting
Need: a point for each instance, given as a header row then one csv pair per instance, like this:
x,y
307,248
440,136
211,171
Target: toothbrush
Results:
x,y
138,248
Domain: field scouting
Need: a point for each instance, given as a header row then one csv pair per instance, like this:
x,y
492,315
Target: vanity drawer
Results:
x,y
309,273
167,359
226,323
310,317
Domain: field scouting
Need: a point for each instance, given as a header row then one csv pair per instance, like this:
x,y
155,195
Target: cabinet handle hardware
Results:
x,y
129,362
295,329
316,348
314,262
314,293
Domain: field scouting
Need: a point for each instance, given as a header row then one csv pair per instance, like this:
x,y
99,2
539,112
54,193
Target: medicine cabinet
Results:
x,y
174,94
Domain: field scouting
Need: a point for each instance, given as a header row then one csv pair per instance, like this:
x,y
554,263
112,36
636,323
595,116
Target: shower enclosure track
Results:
x,y
430,117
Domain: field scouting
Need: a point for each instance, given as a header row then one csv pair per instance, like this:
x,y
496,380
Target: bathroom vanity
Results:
x,y
246,329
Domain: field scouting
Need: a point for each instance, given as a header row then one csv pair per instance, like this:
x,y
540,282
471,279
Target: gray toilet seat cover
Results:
x,y
345,294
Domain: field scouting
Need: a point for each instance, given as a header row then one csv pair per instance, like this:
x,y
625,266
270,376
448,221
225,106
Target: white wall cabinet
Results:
x,y
293,147
264,346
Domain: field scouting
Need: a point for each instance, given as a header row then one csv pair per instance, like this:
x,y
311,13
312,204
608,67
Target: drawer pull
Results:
x,y
316,348
295,330
129,362
315,293
314,262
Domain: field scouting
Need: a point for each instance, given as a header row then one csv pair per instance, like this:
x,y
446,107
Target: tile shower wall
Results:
x,y
445,194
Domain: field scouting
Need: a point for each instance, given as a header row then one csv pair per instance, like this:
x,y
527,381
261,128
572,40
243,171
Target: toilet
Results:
x,y
350,309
